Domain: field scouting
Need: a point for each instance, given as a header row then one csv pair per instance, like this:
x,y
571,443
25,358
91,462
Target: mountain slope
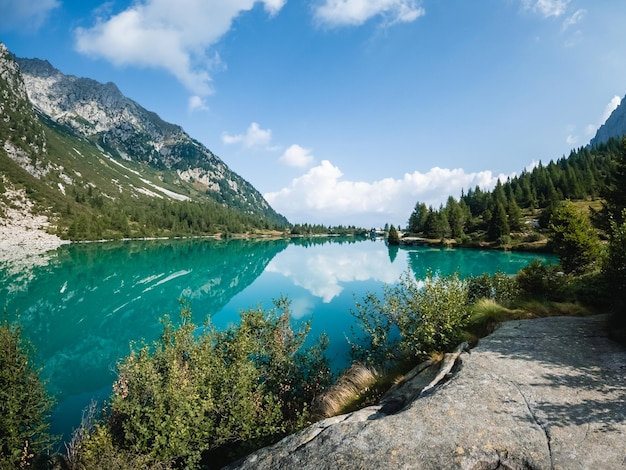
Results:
x,y
615,126
84,150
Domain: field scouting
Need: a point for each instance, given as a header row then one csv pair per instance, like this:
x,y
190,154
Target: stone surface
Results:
x,y
542,394
615,126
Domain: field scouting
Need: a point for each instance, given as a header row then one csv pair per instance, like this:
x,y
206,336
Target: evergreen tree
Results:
x,y
574,239
24,402
456,218
418,217
514,214
616,192
614,270
393,238
436,224
498,225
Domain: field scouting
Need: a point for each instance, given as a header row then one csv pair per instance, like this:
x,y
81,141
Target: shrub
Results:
x,y
429,316
24,403
542,282
574,239
201,392
614,271
498,287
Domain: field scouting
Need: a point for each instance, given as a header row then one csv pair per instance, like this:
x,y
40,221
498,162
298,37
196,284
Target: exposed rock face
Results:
x,y
537,394
121,127
615,126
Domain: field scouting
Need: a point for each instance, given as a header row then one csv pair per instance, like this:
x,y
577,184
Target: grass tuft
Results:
x,y
348,392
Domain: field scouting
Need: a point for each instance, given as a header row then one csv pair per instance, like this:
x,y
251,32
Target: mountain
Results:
x,y
615,126
91,158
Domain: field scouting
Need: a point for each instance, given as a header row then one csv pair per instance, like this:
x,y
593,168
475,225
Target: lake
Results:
x,y
83,304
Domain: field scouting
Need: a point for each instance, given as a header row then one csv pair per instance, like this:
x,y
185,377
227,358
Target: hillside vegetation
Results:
x,y
127,174
516,213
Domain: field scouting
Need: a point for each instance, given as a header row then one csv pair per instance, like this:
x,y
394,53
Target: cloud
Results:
x,y
574,19
174,36
29,15
571,140
546,8
609,108
297,156
357,12
197,103
612,106
323,196
254,137
323,272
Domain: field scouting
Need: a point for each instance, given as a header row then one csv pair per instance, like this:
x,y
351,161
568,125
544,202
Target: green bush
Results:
x,y
574,239
24,403
542,282
429,316
498,287
199,393
614,272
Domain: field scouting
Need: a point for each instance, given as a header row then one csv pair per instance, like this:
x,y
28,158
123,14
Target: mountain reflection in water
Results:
x,y
84,304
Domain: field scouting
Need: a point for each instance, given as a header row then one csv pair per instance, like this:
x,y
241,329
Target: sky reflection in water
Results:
x,y
84,304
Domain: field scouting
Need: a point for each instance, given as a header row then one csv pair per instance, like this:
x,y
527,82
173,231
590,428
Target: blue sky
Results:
x,y
350,111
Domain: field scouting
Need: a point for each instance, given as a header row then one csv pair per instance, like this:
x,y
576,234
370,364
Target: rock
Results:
x,y
543,394
615,126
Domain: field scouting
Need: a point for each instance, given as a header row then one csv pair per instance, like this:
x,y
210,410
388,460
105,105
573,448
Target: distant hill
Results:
x,y
100,165
615,126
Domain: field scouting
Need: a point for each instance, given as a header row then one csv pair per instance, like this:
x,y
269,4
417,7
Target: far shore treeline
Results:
x,y
201,398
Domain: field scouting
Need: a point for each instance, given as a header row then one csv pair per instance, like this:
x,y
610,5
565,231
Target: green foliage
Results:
x,y
615,193
24,402
498,224
614,269
417,220
393,238
574,239
428,315
201,392
499,287
542,282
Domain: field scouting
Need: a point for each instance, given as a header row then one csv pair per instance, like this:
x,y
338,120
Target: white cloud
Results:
x,y
29,15
323,272
574,19
571,140
546,8
297,156
610,107
322,196
197,103
357,12
254,137
170,35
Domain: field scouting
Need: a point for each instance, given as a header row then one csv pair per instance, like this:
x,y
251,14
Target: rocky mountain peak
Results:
x,y
615,125
35,95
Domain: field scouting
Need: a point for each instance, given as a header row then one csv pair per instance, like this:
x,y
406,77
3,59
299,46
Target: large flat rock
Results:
x,y
548,393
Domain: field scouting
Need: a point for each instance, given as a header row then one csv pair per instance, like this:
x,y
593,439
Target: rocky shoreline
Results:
x,y
546,394
23,234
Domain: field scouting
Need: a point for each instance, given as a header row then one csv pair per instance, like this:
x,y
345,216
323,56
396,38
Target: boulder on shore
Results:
x,y
548,393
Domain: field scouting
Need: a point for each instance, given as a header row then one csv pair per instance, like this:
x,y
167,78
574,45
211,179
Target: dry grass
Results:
x,y
552,309
487,314
349,390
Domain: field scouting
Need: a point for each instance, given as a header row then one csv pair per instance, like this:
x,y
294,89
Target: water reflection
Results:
x,y
325,270
84,304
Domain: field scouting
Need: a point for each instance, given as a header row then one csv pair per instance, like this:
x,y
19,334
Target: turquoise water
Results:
x,y
85,303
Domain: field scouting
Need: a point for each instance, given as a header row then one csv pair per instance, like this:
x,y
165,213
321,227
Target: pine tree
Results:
x,y
393,238
574,239
616,192
498,225
418,217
